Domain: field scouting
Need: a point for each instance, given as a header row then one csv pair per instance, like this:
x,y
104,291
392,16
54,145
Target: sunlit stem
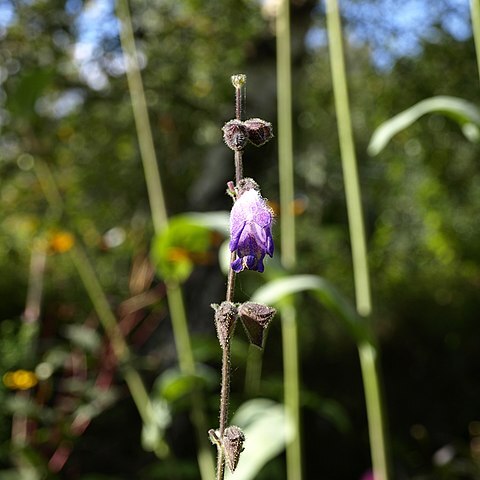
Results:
x,y
475,16
160,219
287,232
367,351
373,399
186,362
349,162
291,387
284,136
142,122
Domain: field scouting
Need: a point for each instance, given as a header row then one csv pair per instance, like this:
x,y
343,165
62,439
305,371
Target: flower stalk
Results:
x,y
250,241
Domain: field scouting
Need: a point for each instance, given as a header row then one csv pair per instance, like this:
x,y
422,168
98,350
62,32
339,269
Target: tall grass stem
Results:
x,y
475,16
349,162
284,135
160,220
367,351
142,122
287,232
291,387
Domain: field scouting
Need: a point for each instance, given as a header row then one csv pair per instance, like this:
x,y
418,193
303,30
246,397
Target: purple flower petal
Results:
x,y
250,229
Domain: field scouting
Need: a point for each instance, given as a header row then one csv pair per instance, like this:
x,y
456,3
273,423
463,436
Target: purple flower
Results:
x,y
250,228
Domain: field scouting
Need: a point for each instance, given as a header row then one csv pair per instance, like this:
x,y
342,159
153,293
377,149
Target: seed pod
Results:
x,y
255,318
232,440
225,320
235,134
259,131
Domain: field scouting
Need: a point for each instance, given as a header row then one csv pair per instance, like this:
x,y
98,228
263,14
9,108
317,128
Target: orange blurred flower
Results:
x,y
61,242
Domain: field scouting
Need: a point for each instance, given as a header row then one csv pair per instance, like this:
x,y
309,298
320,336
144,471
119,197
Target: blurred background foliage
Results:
x,y
65,114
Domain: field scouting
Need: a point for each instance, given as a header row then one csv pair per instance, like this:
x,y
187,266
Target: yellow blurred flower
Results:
x,y
20,380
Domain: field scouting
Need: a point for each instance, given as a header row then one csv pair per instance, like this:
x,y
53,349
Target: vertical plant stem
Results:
x,y
349,162
160,219
187,366
285,149
180,329
475,16
291,387
373,397
239,82
142,122
367,351
224,404
287,232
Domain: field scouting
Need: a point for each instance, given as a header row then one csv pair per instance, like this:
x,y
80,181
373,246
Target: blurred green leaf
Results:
x,y
267,430
172,384
181,244
27,91
328,408
277,290
218,221
153,433
465,113
84,337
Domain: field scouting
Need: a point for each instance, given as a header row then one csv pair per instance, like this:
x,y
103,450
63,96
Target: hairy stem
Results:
x,y
238,82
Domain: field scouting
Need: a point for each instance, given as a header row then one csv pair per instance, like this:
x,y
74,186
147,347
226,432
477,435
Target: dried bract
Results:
x,y
232,440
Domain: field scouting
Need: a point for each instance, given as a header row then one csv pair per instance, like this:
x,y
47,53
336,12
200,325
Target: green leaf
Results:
x,y
172,384
218,221
30,87
275,291
465,113
84,337
153,432
179,246
267,430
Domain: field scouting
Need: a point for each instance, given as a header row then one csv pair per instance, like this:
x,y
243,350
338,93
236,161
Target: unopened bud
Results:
x,y
239,80
259,131
255,318
225,320
235,134
232,440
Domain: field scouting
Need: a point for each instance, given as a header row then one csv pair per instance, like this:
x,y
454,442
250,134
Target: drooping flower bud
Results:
x,y
235,134
259,131
250,228
255,318
232,440
225,320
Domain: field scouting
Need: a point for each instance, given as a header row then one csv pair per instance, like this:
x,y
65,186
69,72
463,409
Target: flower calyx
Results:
x,y
255,319
237,134
226,315
231,443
